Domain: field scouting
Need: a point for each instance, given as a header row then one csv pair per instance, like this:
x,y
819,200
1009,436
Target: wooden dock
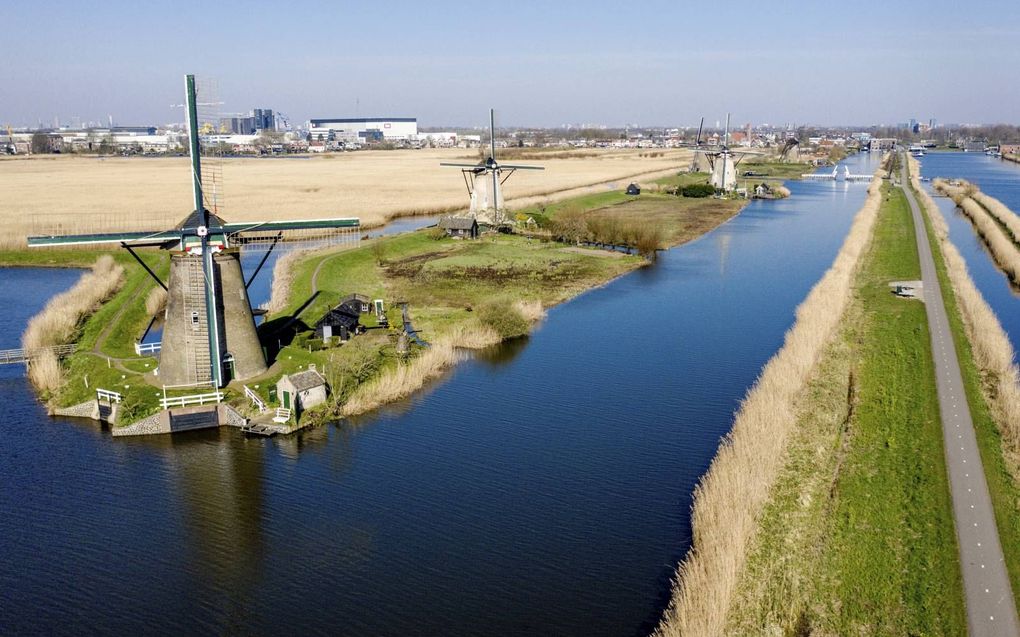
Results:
x,y
20,355
259,430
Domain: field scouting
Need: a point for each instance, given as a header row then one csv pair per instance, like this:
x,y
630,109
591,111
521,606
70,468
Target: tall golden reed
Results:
x,y
993,352
444,353
58,322
156,301
999,243
730,496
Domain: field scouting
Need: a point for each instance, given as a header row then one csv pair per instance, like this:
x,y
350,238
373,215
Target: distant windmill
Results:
x,y
209,334
724,162
484,182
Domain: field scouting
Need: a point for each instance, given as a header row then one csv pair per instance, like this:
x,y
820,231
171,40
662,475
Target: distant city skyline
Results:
x,y
544,65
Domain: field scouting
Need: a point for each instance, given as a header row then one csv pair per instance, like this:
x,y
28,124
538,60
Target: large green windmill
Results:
x,y
209,334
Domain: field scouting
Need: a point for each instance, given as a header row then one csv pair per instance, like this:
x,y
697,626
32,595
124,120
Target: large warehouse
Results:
x,y
365,128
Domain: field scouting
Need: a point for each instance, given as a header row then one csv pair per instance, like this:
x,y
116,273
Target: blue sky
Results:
x,y
538,63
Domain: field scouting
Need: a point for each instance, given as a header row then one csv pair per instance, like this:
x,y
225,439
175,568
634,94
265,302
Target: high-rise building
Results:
x,y
264,119
237,125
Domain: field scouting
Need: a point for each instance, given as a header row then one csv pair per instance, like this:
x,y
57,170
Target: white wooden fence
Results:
x,y
108,396
193,399
147,348
255,400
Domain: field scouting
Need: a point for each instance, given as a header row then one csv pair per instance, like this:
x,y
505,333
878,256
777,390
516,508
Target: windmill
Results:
x,y
723,162
484,182
209,334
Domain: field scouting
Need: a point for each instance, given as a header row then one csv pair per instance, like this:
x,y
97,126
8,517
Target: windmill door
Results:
x,y
286,399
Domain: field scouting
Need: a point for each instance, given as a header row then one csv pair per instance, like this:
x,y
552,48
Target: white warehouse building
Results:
x,y
365,128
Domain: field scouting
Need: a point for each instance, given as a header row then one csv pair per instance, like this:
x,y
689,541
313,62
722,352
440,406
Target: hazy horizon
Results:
x,y
655,63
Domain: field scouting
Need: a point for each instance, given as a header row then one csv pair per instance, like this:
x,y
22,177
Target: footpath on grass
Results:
x,y
989,597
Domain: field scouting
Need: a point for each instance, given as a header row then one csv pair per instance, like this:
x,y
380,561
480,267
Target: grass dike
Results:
x,y
858,536
730,497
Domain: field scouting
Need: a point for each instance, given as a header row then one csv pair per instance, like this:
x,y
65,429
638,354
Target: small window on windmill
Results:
x,y
194,320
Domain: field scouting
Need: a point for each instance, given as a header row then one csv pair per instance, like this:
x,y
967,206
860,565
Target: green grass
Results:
x,y
1004,492
124,315
792,170
859,536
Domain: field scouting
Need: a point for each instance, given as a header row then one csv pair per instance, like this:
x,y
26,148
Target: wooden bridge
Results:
x,y
10,356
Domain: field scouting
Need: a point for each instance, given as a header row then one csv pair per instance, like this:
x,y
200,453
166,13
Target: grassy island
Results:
x,y
459,294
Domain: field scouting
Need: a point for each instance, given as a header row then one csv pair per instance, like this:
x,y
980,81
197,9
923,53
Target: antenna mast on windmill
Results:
x,y
209,334
485,180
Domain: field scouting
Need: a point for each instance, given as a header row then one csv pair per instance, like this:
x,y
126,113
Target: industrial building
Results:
x,y
364,129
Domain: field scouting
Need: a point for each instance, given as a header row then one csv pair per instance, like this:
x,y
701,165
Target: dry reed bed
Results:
x,y
443,353
1001,212
986,223
731,495
58,322
82,194
993,352
156,301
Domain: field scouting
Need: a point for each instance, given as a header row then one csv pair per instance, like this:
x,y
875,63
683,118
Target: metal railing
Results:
x,y
194,399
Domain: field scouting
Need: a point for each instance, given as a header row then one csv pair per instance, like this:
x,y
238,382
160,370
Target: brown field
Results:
x,y
64,194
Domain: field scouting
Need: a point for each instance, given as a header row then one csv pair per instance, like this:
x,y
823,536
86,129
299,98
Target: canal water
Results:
x,y
543,487
996,178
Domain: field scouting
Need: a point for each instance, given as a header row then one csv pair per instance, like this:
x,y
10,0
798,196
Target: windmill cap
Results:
x,y
195,221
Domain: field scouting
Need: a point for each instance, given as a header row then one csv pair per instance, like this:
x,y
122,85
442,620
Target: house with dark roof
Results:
x,y
343,321
358,300
302,390
464,227
633,189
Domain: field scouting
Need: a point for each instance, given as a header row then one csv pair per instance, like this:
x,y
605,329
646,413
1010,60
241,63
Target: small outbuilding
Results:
x,y
633,189
464,227
343,322
302,390
360,301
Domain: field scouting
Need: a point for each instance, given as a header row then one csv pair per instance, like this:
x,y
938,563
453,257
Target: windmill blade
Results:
x,y
264,235
697,142
154,238
519,167
492,133
295,224
457,165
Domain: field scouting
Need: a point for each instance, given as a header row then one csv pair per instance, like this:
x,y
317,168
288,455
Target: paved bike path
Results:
x,y
988,596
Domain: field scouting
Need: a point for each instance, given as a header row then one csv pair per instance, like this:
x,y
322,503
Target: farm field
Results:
x,y
54,194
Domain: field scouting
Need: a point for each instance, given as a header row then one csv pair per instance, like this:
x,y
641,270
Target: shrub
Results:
x,y
503,317
697,190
